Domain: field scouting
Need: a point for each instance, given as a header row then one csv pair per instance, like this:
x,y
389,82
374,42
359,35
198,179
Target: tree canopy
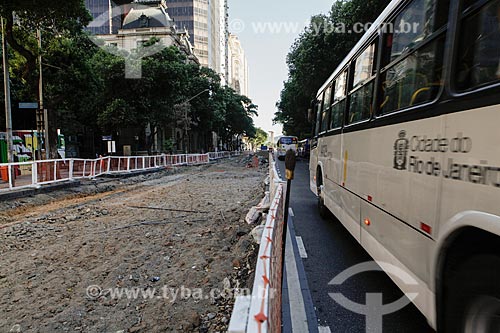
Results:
x,y
315,55
260,138
25,17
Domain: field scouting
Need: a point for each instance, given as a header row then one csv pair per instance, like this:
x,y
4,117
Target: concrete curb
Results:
x,y
290,293
29,192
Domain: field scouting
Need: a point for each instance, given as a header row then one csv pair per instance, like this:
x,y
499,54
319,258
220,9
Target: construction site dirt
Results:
x,y
162,252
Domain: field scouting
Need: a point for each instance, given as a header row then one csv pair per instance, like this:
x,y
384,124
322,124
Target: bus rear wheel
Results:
x,y
322,209
472,303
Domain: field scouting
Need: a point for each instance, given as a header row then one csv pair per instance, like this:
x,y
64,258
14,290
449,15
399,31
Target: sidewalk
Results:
x,y
298,314
28,192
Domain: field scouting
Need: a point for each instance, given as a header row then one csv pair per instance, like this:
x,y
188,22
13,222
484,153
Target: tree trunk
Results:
x,y
53,137
28,55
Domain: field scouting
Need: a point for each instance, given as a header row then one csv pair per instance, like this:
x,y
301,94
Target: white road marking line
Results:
x,y
297,306
324,329
302,248
290,211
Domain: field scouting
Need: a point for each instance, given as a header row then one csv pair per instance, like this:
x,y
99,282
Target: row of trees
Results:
x,y
85,87
315,55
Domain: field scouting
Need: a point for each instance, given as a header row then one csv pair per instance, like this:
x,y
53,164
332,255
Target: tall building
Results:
x,y
238,66
204,20
142,22
107,12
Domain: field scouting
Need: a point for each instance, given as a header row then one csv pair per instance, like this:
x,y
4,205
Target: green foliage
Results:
x,y
25,17
260,138
117,113
168,145
235,114
315,55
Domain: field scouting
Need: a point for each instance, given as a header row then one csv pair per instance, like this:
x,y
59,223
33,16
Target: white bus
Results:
x,y
407,154
286,143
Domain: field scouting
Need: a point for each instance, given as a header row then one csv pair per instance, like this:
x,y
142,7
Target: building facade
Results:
x,y
205,22
107,13
238,66
142,23
194,17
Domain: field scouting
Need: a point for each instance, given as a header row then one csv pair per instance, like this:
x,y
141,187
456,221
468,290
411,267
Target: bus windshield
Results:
x,y
288,140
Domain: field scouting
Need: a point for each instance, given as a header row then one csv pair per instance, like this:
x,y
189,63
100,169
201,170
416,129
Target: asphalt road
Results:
x,y
331,250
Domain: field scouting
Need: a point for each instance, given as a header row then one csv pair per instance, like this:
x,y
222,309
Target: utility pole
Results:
x,y
8,106
42,116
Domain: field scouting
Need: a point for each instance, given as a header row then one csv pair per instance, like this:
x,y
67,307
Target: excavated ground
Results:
x,y
175,231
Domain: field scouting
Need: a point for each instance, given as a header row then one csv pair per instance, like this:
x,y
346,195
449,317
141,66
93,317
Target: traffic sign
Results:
x,y
28,105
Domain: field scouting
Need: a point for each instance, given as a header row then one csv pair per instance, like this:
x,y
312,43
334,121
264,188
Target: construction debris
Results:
x,y
54,247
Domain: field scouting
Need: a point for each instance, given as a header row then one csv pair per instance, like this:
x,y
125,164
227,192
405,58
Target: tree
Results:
x,y
53,19
46,15
314,56
164,97
233,115
204,107
72,89
259,139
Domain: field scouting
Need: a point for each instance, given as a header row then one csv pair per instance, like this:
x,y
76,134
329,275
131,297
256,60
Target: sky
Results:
x,y
267,30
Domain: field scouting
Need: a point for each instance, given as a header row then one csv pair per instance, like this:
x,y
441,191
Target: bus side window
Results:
x,y
360,107
338,114
339,103
413,73
319,105
414,80
326,109
479,51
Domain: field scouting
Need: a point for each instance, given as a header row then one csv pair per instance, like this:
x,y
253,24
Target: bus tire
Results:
x,y
322,209
472,300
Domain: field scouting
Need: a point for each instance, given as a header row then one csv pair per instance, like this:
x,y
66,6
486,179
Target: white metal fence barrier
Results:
x,y
23,175
261,312
223,154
